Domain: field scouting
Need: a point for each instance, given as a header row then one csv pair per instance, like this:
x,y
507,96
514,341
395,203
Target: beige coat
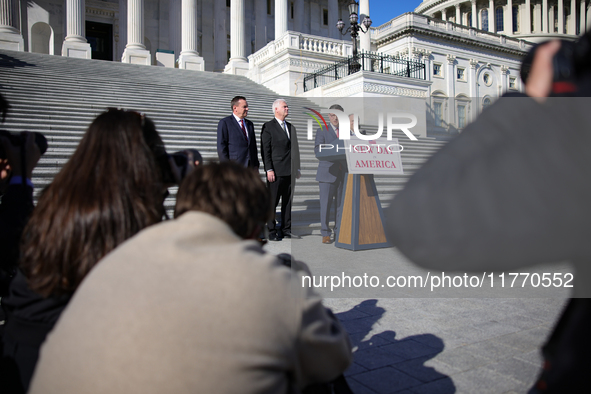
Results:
x,y
188,307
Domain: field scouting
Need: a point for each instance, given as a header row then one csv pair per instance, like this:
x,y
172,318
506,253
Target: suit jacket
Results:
x,y
328,171
234,320
280,153
232,145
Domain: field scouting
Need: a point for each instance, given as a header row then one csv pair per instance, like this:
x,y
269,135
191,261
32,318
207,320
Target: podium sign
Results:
x,y
378,157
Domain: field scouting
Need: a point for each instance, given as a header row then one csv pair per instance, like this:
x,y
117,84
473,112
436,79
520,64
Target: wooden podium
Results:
x,y
361,219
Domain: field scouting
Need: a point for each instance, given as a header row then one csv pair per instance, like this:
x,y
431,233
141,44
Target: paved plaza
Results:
x,y
407,342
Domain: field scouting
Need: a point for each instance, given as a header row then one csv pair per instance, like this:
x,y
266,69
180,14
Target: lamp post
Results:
x,y
354,29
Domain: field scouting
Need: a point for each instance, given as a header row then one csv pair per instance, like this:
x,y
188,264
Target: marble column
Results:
x,y
135,50
491,16
458,15
75,44
10,35
589,17
444,14
582,18
474,15
508,19
189,58
472,77
560,17
174,27
333,17
545,16
260,29
281,18
364,38
238,63
451,87
527,18
298,18
122,29
220,36
572,18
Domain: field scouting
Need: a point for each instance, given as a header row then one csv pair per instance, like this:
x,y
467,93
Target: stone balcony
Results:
x,y
282,64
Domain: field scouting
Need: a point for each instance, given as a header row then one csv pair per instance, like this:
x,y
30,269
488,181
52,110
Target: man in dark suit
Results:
x,y
236,139
330,175
281,158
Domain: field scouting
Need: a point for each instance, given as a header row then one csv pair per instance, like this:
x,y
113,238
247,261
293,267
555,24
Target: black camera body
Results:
x,y
571,65
19,139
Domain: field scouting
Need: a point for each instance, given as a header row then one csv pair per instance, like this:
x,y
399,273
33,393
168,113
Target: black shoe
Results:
x,y
288,234
274,237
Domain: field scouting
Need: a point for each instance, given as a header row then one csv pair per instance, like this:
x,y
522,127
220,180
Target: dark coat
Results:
x,y
232,145
280,153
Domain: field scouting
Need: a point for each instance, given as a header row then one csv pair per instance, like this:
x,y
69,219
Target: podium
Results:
x,y
360,221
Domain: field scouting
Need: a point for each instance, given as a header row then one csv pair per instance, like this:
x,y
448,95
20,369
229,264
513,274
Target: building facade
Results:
x,y
200,34
471,50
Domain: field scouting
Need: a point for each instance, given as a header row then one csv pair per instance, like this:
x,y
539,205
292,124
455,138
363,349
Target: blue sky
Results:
x,y
381,11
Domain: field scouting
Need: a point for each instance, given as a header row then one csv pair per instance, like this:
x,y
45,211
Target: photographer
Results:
x,y
231,317
109,190
16,190
513,190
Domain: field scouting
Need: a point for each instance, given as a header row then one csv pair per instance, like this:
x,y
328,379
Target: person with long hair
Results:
x,y
109,190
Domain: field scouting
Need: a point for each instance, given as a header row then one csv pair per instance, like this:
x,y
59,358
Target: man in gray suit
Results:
x,y
330,175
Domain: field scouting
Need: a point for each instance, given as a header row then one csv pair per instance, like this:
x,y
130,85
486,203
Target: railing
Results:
x,y
366,61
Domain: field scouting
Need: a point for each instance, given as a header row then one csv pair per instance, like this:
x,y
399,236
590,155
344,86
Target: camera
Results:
x,y
571,65
180,160
20,139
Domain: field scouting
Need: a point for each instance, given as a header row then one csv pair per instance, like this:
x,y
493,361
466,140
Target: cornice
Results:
x,y
412,31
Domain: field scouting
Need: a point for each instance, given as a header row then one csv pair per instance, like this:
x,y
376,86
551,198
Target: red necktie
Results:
x,y
243,129
337,131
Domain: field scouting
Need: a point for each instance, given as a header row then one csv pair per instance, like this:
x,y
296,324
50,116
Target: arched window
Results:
x,y
484,19
515,18
499,19
485,103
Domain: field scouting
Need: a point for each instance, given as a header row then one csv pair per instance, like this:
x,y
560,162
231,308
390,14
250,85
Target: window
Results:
x,y
484,19
487,79
499,18
290,10
512,83
268,7
486,103
325,17
461,74
469,16
228,3
437,70
515,18
437,112
461,116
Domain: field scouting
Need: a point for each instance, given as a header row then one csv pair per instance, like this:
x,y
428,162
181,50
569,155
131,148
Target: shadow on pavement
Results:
x,y
386,364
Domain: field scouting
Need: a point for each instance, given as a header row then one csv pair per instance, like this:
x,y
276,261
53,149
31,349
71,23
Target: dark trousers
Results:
x,y
281,189
330,196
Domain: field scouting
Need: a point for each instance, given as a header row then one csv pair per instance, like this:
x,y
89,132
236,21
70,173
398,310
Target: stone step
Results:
x,y
61,96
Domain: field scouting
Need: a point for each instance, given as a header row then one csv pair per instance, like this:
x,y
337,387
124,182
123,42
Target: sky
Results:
x,y
381,11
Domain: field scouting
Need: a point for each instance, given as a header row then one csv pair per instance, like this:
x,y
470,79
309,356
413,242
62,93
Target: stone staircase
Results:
x,y
60,96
